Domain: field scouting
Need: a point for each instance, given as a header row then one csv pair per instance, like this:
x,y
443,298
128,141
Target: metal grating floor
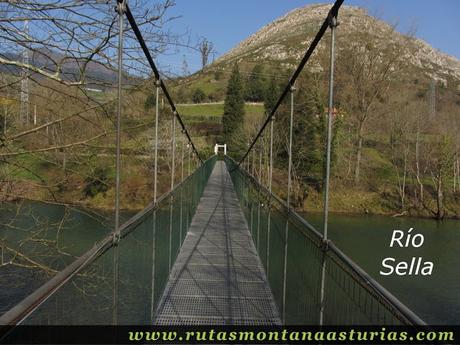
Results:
x,y
218,277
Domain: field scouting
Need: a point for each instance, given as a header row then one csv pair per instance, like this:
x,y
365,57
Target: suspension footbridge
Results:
x,y
219,248
218,276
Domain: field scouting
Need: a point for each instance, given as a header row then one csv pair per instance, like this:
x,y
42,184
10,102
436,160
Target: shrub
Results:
x,y
198,96
97,183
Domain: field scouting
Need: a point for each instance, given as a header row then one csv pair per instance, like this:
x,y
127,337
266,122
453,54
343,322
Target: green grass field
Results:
x,y
216,109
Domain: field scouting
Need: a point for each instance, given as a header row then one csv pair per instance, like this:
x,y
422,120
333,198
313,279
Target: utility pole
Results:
x,y
432,99
5,108
185,70
24,115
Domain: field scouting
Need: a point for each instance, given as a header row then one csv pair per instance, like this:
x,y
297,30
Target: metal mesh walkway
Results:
x,y
218,277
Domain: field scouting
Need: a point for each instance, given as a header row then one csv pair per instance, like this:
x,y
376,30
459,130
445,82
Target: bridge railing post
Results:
x,y
121,9
259,194
288,198
253,171
155,189
188,159
332,25
181,225
173,172
155,152
260,160
270,177
173,150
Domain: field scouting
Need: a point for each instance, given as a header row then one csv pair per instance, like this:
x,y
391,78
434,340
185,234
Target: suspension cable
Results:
x,y
120,9
333,25
156,73
116,232
332,13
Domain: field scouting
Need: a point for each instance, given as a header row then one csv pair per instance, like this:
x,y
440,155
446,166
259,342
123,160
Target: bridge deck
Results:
x,y
218,277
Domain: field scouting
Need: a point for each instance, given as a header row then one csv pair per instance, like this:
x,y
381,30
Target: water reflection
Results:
x,y
366,240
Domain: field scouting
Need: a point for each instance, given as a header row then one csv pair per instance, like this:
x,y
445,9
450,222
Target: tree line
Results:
x,y
395,145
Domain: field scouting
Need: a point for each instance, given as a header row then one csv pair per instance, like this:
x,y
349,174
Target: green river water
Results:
x,y
53,235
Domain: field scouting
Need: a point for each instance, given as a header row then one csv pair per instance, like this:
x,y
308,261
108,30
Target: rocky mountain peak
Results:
x,y
285,40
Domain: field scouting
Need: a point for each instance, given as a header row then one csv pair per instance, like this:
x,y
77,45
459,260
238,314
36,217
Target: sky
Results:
x,y
226,23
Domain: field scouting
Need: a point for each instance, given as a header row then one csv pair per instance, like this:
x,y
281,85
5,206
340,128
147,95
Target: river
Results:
x,y
366,240
53,235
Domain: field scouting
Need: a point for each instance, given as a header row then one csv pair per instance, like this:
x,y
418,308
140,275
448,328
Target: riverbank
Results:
x,y
353,201
343,201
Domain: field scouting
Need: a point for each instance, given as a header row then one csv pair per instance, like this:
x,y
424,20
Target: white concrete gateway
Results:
x,y
218,146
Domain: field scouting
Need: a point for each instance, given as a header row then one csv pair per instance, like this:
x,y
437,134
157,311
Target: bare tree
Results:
x,y
206,48
368,66
400,144
71,72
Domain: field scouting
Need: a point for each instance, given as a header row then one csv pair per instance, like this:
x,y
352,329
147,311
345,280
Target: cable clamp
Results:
x,y
121,7
325,245
115,238
333,23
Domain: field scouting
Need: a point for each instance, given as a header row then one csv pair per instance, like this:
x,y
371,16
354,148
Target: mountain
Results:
x,y
97,75
289,36
283,42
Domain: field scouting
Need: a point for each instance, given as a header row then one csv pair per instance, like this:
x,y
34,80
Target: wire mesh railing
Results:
x,y
293,253
119,283
290,89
